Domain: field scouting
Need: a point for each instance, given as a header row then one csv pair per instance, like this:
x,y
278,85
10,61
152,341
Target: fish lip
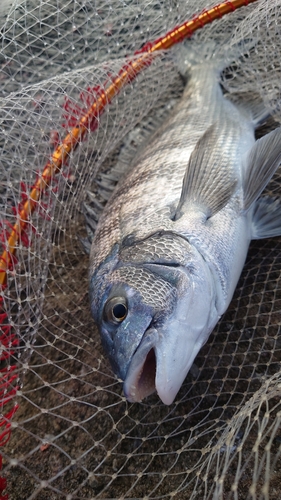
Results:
x,y
134,390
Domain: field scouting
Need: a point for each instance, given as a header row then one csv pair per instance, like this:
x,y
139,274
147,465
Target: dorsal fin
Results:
x,y
208,181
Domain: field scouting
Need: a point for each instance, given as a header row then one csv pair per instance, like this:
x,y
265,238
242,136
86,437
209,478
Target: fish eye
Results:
x,y
115,310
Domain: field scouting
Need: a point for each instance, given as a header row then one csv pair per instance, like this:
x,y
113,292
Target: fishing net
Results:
x,y
66,430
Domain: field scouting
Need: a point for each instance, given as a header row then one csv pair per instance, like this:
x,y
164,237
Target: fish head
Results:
x,y
153,319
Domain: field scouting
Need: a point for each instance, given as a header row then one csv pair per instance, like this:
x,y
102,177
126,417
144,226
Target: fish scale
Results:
x,y
143,189
172,240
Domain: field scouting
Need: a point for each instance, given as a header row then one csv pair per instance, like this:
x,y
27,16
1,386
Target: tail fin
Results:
x,y
216,58
191,53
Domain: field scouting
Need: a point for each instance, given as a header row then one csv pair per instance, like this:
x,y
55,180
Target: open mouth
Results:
x,y
146,381
140,379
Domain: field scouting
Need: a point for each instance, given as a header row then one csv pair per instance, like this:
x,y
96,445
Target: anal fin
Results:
x,y
251,105
266,218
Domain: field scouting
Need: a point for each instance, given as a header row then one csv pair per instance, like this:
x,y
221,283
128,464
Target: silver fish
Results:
x,y
172,241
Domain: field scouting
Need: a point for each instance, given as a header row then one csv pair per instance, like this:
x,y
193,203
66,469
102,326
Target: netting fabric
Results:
x,y
72,433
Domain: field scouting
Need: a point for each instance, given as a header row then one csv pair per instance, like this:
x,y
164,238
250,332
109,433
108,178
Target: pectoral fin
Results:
x,y
208,181
261,163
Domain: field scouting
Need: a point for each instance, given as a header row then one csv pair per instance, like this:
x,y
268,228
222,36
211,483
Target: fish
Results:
x,y
172,240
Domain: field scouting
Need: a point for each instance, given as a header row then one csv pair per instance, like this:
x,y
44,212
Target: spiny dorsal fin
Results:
x,y
208,181
261,163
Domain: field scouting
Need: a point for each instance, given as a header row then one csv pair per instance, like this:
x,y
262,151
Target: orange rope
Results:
x,y
189,27
74,137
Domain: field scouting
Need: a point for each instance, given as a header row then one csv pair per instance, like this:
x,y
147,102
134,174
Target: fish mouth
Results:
x,y
161,364
141,375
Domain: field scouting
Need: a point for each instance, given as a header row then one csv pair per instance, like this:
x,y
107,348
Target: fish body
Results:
x,y
172,241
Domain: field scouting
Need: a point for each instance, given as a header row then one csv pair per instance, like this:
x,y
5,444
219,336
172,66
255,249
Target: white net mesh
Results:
x,y
74,435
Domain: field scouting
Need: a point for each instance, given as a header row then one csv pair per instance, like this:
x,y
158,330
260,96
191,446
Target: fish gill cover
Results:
x,y
68,431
